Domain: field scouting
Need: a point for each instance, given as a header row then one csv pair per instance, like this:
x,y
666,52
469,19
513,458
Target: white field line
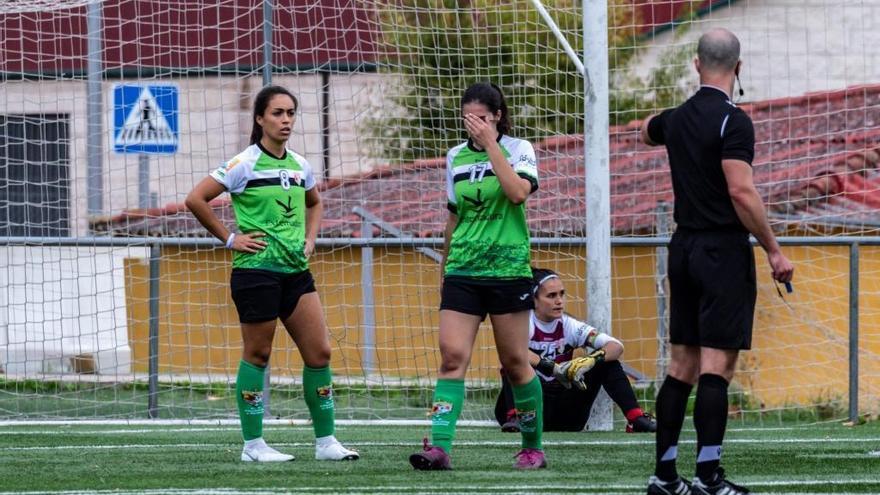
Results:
x,y
494,488
211,426
304,422
465,443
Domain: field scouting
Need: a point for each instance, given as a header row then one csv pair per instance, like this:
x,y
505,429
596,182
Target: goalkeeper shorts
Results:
x,y
264,295
481,296
712,288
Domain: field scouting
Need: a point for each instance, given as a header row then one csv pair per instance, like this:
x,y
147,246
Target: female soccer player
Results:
x,y
553,337
486,271
278,213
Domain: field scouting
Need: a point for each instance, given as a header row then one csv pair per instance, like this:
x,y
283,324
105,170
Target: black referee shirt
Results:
x,y
699,134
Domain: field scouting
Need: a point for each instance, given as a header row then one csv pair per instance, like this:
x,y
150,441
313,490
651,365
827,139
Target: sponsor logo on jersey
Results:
x,y
287,210
528,160
478,204
476,217
232,163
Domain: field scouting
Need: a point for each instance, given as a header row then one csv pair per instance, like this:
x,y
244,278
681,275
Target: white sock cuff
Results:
x,y
254,442
325,441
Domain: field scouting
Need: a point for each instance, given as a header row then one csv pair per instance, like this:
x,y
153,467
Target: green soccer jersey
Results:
x,y
268,195
491,238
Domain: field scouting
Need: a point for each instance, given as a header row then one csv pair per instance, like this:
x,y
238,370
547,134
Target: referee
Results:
x,y
711,145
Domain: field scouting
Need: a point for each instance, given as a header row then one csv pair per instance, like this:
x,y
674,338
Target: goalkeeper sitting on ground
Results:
x,y
569,384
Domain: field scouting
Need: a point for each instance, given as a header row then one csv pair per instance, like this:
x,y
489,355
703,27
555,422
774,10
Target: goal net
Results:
x,y
114,301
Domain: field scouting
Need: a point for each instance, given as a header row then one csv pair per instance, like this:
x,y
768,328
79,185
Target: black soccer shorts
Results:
x,y
712,289
264,295
485,296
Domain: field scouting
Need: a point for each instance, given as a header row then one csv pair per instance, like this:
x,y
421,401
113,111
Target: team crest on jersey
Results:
x,y
441,408
296,177
253,397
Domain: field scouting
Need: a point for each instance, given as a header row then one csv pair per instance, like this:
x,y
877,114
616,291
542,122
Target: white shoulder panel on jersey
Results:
x,y
581,334
522,156
235,173
450,173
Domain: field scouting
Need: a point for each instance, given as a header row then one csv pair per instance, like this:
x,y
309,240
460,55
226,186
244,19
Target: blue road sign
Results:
x,y
145,118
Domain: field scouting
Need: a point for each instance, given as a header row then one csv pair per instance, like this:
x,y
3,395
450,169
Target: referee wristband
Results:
x,y
546,367
230,240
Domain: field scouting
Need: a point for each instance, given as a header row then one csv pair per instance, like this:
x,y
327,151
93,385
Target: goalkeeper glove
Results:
x,y
577,369
548,367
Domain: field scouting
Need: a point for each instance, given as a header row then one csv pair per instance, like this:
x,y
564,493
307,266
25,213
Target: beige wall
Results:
x,y
799,356
789,47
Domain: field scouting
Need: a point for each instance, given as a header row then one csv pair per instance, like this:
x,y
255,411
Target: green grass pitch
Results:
x,y
823,458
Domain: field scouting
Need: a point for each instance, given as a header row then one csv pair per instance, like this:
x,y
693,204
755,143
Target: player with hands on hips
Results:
x,y
278,212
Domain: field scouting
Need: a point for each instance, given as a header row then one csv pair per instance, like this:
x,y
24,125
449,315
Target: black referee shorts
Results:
x,y
264,295
712,289
481,296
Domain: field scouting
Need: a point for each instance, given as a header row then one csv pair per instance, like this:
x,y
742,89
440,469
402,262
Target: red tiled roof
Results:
x,y
225,35
817,161
142,34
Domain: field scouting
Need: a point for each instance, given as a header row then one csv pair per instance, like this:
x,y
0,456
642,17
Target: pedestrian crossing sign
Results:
x,y
145,118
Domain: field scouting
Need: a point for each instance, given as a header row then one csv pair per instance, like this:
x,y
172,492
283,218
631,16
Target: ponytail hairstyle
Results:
x,y
490,95
261,102
539,276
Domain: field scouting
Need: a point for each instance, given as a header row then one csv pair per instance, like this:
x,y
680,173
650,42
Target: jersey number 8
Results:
x,y
284,177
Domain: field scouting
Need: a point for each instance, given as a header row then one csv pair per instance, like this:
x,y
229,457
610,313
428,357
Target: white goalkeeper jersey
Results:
x,y
556,340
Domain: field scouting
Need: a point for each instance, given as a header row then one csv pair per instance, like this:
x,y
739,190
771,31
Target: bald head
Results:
x,y
718,50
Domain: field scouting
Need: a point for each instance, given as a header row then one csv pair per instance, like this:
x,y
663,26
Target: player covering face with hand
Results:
x,y
486,271
570,384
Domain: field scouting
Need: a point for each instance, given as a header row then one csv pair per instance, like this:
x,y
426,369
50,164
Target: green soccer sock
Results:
x,y
318,392
249,397
448,399
529,401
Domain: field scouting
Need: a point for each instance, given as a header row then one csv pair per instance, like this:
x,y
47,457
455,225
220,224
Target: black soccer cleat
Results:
x,y
643,424
718,486
512,423
679,486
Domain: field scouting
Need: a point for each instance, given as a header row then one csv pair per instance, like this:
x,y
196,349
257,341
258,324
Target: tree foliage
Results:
x,y
436,48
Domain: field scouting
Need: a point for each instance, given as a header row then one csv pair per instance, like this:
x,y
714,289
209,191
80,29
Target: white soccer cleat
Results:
x,y
260,452
335,452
